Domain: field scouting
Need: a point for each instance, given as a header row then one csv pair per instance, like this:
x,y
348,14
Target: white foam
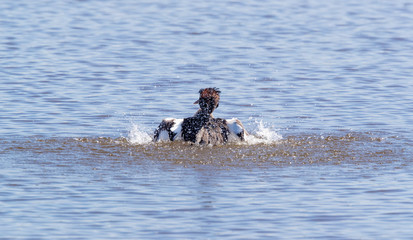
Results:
x,y
138,136
263,134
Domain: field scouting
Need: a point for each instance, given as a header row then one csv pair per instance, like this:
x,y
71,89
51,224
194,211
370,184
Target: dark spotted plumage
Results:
x,y
205,130
165,125
208,100
202,128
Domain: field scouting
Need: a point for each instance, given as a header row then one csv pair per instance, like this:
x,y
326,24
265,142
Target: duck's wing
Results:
x,y
168,129
236,129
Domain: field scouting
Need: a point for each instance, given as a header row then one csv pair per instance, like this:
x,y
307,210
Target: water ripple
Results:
x,y
84,84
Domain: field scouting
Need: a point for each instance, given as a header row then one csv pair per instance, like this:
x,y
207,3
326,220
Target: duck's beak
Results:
x,y
196,102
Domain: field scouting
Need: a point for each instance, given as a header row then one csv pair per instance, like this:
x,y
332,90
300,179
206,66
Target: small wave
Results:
x,y
138,136
263,134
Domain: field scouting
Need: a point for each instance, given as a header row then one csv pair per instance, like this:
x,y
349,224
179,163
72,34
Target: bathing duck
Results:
x,y
202,128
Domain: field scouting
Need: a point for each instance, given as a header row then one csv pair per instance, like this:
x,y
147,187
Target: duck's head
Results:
x,y
208,99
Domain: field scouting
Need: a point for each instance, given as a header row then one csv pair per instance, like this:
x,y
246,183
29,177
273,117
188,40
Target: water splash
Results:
x,y
137,135
259,133
263,134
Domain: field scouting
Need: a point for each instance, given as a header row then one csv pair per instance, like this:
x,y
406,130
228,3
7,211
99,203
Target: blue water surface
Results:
x,y
333,78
